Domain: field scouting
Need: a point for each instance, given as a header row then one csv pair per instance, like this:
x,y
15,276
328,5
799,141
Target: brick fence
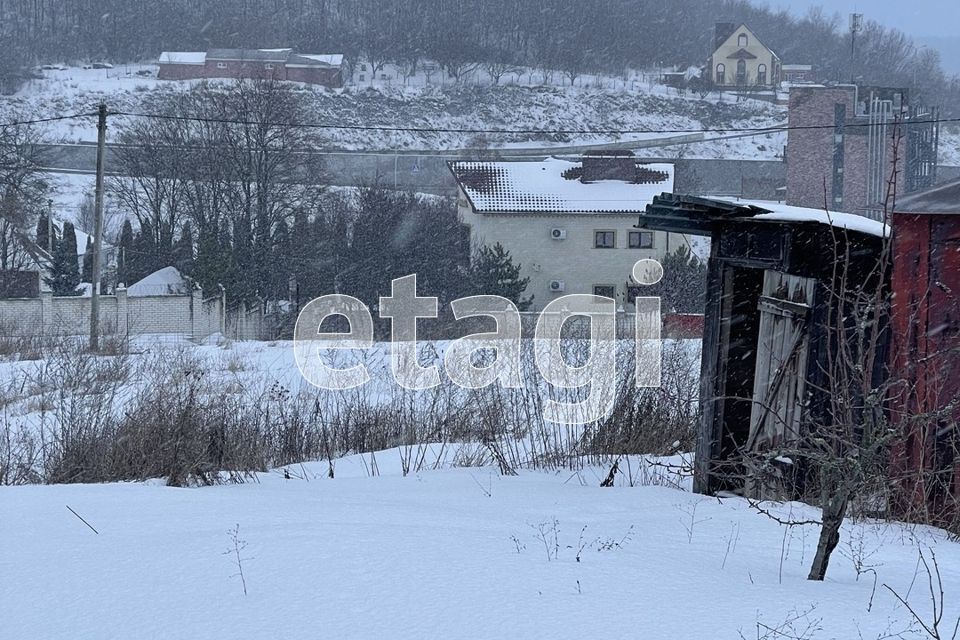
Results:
x,y
190,316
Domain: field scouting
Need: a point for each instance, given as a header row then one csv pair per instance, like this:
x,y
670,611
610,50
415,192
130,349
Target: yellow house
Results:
x,y
740,59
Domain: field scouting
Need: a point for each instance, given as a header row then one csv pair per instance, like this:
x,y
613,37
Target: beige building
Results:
x,y
740,59
569,225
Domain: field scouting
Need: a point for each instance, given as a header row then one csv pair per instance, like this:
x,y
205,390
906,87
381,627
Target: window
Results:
x,y
268,66
762,74
605,290
604,239
742,40
721,73
640,240
221,65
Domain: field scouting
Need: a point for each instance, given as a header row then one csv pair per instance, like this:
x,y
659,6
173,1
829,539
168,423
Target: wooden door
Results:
x,y
781,365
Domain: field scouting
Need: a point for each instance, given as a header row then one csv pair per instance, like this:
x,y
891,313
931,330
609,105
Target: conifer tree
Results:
x,y
65,275
87,273
125,249
493,272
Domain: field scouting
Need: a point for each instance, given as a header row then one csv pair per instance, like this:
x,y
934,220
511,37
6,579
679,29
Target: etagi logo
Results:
x,y
596,376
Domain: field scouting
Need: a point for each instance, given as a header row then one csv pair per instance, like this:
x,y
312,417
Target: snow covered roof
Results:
x,y
329,59
785,213
165,282
183,57
258,55
550,186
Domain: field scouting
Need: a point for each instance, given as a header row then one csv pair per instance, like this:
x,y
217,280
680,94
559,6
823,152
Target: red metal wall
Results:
x,y
925,355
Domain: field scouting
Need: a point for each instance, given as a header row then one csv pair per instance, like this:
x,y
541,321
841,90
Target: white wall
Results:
x,y
575,261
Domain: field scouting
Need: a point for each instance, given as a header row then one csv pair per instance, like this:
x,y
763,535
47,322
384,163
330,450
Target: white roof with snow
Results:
x,y
332,59
183,57
786,213
542,187
165,282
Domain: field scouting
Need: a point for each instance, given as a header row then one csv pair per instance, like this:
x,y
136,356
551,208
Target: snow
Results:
x,y
541,187
785,213
334,60
442,553
183,57
165,282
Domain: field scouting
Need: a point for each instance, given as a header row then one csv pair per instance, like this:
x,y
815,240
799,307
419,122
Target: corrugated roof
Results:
x,y
942,199
543,187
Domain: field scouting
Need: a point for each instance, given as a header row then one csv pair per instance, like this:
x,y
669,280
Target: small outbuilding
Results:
x,y
774,274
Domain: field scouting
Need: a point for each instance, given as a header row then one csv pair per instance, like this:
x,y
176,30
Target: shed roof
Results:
x,y
693,214
183,57
943,199
550,186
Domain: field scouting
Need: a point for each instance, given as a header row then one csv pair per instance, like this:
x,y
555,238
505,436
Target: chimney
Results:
x,y
723,31
617,164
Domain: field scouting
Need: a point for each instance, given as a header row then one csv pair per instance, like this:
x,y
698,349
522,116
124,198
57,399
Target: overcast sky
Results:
x,y
931,22
916,17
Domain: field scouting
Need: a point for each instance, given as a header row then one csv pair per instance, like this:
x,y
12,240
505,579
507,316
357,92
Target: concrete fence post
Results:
x,y
196,311
123,320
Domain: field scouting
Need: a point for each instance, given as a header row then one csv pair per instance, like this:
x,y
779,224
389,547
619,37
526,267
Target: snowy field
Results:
x,y
445,553
425,539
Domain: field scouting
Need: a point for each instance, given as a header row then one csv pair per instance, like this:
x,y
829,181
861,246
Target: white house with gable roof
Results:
x,y
569,225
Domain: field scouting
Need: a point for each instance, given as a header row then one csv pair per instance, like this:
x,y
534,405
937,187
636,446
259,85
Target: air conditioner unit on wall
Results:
x,y
558,234
557,286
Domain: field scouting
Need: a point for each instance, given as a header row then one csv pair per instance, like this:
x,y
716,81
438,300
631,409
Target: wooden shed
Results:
x,y
772,282
925,318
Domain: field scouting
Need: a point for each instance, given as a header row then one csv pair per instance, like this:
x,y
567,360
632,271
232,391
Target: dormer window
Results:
x,y
742,40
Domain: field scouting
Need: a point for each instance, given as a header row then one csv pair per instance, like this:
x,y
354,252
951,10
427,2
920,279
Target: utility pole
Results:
x,y
98,229
50,227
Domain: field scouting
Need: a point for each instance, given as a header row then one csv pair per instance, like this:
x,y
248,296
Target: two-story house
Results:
x,y
740,59
569,225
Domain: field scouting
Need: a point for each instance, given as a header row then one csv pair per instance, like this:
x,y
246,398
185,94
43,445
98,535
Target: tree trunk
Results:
x,y
834,509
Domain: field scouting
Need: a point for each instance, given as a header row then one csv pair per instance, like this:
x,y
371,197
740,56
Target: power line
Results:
x,y
397,128
72,116
463,130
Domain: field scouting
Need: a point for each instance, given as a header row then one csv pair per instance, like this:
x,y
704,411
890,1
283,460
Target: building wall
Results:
x,y
329,77
731,46
181,72
326,76
812,167
575,261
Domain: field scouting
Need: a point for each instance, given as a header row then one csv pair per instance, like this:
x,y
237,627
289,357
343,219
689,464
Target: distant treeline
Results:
x,y
573,36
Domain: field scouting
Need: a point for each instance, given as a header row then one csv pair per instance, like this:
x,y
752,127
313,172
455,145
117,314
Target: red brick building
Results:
x,y
840,147
277,64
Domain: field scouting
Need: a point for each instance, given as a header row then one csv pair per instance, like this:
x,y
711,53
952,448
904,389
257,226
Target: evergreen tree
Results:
x,y
126,246
43,233
282,261
183,251
86,274
66,268
684,283
492,272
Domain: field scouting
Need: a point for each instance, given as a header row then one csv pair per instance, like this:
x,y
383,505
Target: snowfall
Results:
x,y
446,551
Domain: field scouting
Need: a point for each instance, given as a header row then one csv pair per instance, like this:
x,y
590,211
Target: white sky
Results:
x,y
918,17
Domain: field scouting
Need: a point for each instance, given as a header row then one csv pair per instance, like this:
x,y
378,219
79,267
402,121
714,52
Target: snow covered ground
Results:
x,y
443,553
